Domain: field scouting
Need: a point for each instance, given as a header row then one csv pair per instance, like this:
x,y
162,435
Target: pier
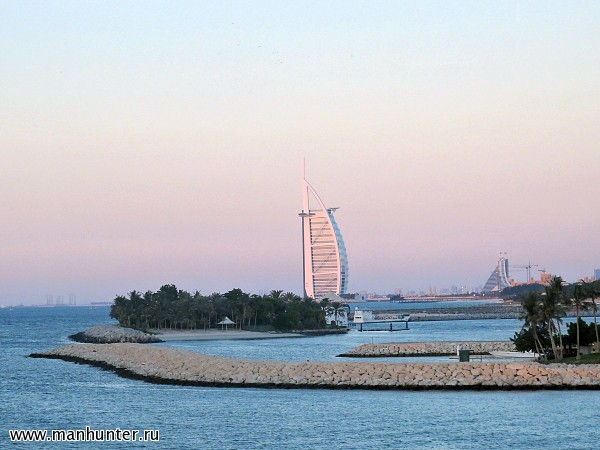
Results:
x,y
362,317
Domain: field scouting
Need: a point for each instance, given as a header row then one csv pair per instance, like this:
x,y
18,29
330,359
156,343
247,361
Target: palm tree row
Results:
x,y
547,309
172,308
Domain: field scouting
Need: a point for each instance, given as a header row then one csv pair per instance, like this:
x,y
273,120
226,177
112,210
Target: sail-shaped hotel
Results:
x,y
325,263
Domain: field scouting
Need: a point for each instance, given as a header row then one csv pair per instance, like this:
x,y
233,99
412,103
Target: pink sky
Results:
x,y
128,163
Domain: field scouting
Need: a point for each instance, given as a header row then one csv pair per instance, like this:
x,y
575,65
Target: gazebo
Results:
x,y
226,321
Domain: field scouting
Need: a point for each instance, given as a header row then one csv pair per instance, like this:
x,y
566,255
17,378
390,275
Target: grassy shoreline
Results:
x,y
593,358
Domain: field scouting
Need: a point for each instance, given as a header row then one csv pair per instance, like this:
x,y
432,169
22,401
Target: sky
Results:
x,y
145,143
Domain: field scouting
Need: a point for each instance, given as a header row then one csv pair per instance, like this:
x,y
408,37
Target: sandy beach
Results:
x,y
214,335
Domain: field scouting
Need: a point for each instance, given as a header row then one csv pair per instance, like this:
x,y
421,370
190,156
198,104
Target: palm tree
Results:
x,y
562,302
335,305
580,293
547,315
290,297
553,308
136,305
118,310
532,315
275,293
342,312
593,292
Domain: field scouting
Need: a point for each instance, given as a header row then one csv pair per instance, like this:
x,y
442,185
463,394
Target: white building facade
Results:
x,y
499,279
325,262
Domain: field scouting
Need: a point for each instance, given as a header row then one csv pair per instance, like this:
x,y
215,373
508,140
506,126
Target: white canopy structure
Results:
x,y
226,321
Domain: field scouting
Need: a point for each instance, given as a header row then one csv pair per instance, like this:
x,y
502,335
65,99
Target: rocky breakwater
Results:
x,y
109,334
481,312
428,348
165,365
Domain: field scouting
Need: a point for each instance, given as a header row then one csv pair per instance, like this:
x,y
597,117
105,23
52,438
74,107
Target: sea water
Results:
x,y
54,394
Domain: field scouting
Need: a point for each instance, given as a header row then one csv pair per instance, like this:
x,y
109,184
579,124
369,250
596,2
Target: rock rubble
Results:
x,y
442,348
166,365
109,334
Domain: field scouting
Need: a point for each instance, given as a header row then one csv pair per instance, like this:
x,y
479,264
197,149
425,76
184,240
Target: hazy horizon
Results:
x,y
146,143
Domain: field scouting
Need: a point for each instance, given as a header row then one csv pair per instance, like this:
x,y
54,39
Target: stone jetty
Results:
x,y
166,365
442,348
471,312
109,334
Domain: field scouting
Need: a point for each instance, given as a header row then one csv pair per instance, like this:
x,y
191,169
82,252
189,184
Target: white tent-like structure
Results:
x,y
226,321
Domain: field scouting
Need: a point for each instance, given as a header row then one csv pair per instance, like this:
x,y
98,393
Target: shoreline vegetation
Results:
x,y
543,313
591,358
172,309
158,364
171,314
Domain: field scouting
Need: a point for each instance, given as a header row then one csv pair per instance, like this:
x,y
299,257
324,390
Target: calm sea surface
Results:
x,y
52,394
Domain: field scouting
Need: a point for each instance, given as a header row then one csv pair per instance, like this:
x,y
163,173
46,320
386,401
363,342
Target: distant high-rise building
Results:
x,y
597,274
498,280
325,263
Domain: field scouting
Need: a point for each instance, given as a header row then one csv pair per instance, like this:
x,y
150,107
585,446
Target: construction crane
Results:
x,y
527,267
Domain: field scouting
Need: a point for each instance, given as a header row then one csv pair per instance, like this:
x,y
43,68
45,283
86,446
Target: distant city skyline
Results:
x,y
144,145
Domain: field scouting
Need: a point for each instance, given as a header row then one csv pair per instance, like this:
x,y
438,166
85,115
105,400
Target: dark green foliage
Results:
x,y
592,358
592,288
587,333
524,340
548,309
521,290
172,308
